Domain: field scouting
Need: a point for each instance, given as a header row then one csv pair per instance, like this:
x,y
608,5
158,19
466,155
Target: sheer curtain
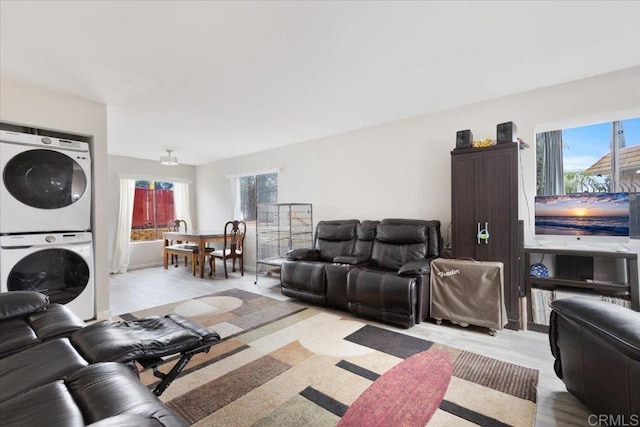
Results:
x,y
123,232
552,167
181,205
235,198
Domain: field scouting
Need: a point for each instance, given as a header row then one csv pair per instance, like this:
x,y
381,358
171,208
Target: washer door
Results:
x,y
44,179
59,273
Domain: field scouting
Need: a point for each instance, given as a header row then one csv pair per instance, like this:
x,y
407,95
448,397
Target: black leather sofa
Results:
x,y
596,346
376,269
55,370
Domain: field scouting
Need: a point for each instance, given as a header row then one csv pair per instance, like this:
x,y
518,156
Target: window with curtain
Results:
x,y
255,189
153,208
602,157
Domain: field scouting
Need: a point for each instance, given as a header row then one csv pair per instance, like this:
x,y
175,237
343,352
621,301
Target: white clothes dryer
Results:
x,y
46,184
59,265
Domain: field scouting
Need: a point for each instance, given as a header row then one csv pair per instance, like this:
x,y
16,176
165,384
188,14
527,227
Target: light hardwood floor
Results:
x,y
150,287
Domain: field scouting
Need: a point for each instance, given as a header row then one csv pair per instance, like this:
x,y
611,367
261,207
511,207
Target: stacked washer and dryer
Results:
x,y
45,219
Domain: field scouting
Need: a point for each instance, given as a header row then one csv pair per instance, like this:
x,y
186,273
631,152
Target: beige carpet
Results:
x,y
281,364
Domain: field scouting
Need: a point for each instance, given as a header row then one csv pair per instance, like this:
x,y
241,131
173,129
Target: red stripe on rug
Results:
x,y
406,395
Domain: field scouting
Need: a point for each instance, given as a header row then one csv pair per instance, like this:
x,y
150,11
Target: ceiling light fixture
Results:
x,y
169,160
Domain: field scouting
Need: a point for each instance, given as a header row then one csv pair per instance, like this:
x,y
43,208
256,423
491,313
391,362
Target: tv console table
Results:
x,y
577,271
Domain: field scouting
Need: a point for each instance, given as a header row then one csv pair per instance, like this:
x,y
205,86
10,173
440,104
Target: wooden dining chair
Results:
x,y
234,232
177,225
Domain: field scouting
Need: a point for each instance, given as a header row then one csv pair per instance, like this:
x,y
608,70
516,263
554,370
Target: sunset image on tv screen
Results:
x,y
583,214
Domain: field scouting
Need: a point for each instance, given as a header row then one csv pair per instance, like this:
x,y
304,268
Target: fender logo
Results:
x,y
442,274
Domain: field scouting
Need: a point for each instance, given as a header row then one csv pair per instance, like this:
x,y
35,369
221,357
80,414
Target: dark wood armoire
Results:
x,y
484,212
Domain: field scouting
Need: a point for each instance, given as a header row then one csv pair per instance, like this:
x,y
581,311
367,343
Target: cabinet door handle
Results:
x,y
483,234
486,233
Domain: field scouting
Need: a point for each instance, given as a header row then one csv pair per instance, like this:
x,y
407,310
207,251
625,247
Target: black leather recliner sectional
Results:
x,y
376,269
55,370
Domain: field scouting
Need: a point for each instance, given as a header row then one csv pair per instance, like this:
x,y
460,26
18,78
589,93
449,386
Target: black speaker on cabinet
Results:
x,y
507,132
464,139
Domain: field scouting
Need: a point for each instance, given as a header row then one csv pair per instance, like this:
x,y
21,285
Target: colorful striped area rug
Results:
x,y
283,364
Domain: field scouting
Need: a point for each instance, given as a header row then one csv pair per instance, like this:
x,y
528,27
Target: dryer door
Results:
x,y
44,179
59,273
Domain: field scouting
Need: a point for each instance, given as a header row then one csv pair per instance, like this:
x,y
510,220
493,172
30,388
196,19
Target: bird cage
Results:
x,y
281,227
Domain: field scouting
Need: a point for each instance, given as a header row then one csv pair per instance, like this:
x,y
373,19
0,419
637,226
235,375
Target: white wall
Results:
x,y
34,107
143,254
398,169
402,168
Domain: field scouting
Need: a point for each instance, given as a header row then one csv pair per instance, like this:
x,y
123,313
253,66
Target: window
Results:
x,y
257,189
603,157
153,208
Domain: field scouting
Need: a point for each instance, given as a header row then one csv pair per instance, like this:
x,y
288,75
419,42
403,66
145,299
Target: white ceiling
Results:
x,y
214,80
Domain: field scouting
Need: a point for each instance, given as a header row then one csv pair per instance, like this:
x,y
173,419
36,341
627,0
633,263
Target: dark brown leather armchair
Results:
x,y
596,345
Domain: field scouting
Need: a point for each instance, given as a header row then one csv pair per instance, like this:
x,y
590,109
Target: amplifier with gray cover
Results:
x,y
468,292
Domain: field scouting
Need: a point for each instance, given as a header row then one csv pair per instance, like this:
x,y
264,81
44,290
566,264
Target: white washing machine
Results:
x,y
46,184
59,265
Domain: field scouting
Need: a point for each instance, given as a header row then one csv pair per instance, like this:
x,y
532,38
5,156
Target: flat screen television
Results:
x,y
583,214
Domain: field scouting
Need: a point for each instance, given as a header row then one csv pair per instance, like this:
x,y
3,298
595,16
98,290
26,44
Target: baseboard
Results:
x,y
251,269
141,266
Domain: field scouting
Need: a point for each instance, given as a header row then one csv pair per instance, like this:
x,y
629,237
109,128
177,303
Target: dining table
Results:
x,y
196,237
